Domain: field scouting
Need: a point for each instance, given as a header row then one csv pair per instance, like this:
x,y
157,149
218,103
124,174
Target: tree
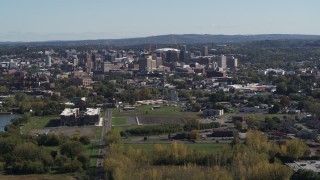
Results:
x,y
49,140
295,149
3,88
72,166
85,160
257,141
71,91
52,107
85,140
281,88
194,135
238,125
9,102
313,107
54,154
37,107
112,136
20,97
71,149
29,158
285,101
271,123
304,174
275,109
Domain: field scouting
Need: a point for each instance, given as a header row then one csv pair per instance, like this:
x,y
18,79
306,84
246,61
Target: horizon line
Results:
x,y
97,39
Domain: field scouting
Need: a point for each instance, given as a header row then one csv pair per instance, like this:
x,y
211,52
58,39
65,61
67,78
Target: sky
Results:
x,y
41,20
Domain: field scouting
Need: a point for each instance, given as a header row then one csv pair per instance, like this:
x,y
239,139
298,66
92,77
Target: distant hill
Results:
x,y
179,39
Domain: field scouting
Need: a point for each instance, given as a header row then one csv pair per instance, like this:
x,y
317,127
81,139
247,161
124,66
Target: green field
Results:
x,y
261,117
163,111
119,121
37,122
125,127
204,147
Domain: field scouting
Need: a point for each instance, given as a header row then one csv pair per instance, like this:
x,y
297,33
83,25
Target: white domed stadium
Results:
x,y
161,50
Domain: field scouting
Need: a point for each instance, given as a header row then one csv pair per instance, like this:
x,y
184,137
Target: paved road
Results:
x,y
101,143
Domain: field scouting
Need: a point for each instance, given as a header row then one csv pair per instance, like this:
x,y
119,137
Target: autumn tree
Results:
x,y
112,136
295,149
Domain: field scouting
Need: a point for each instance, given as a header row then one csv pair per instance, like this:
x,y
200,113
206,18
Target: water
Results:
x,y
6,119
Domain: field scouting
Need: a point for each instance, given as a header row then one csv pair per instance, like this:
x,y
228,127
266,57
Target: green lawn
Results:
x,y
205,147
261,117
125,127
98,132
119,121
37,122
92,149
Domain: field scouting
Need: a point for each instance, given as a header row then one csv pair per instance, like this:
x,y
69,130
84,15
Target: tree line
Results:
x,y
257,158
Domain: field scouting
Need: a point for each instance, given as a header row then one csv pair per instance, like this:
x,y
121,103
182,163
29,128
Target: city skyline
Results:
x,y
36,20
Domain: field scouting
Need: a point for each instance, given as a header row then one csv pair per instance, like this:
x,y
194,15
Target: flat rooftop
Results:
x,y
92,111
69,112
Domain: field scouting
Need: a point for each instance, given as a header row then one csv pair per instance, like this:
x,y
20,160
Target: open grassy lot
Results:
x,y
163,111
50,124
39,122
125,127
147,115
261,117
68,131
205,147
119,121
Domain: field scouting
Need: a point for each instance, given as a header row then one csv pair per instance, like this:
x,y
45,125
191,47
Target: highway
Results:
x,y
101,154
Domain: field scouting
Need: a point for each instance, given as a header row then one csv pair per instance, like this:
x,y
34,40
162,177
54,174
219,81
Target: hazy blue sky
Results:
x,y
34,20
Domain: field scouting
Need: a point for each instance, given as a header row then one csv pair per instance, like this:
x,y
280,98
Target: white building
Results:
x,y
213,112
222,62
48,60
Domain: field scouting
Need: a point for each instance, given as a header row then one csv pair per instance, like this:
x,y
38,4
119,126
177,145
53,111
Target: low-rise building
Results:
x,y
73,117
91,116
213,112
84,81
70,117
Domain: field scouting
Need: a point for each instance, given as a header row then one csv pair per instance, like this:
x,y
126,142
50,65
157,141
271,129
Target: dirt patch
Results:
x,y
161,120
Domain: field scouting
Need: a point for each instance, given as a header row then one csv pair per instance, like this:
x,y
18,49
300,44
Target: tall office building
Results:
x,y
48,60
172,56
97,62
185,56
222,62
75,60
147,64
88,62
159,61
183,48
232,62
205,50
